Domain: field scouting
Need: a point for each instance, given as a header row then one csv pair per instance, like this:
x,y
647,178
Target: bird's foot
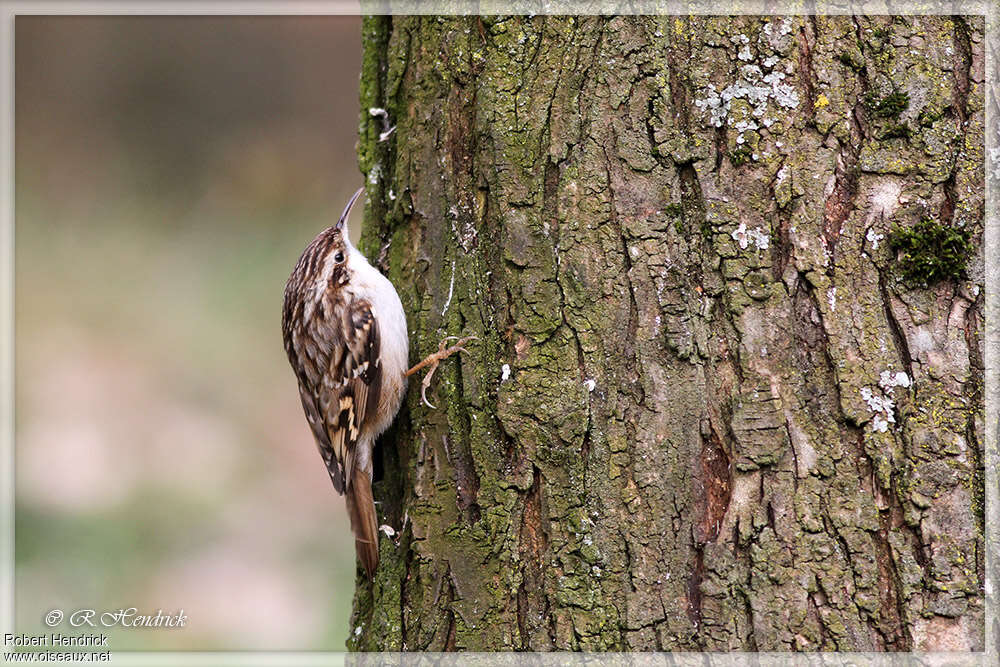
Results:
x,y
435,359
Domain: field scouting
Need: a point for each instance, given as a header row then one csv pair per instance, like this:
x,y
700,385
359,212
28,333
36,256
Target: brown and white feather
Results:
x,y
345,336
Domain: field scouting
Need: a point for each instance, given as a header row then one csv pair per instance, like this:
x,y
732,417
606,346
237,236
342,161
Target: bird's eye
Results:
x,y
339,257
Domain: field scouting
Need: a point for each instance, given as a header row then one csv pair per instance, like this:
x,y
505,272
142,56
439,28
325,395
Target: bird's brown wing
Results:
x,y
309,354
335,357
318,426
349,392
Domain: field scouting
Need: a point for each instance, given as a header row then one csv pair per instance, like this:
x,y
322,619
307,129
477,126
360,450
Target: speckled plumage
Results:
x,y
345,335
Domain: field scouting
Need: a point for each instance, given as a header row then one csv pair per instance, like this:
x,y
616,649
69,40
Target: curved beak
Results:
x,y
347,209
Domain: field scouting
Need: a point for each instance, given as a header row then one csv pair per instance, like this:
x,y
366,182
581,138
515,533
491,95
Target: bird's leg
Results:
x,y
435,359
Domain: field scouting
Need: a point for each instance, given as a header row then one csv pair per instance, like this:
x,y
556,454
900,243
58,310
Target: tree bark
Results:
x,y
705,410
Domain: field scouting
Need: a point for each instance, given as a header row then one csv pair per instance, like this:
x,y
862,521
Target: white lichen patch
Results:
x,y
889,380
590,385
882,403
744,125
759,85
784,27
877,402
754,87
831,298
873,238
745,237
740,235
879,424
375,112
505,372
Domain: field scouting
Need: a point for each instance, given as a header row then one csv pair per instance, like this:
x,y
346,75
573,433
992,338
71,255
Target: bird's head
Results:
x,y
337,252
325,264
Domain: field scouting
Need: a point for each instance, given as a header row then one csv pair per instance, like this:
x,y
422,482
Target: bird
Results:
x,y
344,331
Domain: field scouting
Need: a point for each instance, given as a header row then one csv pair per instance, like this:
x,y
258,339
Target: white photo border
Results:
x,y
10,9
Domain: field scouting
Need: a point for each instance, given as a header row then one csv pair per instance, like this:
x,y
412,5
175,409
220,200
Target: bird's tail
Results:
x,y
361,508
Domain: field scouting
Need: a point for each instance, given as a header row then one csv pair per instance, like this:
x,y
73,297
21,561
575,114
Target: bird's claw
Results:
x,y
435,359
426,382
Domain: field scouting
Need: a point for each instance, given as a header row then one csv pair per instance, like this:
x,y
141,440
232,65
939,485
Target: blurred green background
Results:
x,y
169,171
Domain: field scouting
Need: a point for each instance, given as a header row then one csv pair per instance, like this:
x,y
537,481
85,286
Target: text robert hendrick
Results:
x,y
55,639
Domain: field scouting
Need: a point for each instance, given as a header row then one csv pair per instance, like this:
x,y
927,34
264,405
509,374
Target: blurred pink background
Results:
x,y
169,171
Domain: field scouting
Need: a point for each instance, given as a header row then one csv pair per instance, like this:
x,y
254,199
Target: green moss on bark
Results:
x,y
929,252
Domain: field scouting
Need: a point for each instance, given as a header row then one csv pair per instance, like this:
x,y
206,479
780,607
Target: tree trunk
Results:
x,y
713,404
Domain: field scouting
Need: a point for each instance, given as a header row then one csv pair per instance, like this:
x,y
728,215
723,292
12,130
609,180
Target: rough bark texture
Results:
x,y
704,412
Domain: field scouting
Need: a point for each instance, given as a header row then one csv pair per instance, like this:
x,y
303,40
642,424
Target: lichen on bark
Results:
x,y
702,412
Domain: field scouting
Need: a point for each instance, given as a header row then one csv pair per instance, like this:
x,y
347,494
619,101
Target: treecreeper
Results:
x,y
345,334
